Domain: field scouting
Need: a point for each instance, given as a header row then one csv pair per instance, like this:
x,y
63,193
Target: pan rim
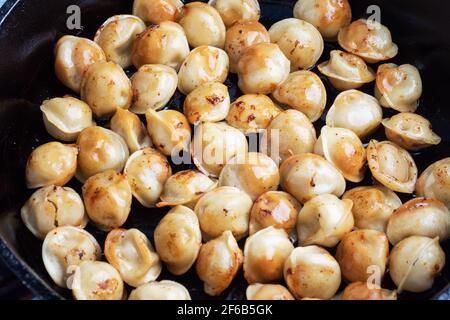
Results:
x,y
24,273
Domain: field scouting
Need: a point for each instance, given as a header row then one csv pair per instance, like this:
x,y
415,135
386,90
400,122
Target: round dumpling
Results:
x,y
218,262
255,174
308,175
52,207
262,68
147,171
264,255
131,253
203,64
304,91
65,118
324,220
311,272
65,248
328,16
392,166
178,239
164,43
107,198
434,182
222,209
185,188
157,11
398,87
344,149
299,40
153,87
73,56
52,163
356,111
368,39
233,11
214,144
202,24
96,280
100,149
116,36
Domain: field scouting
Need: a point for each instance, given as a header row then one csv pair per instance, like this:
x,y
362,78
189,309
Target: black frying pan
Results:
x,y
28,31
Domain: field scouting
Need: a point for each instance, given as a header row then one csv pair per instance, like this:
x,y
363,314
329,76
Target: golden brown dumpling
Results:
x,y
254,174
51,207
361,250
372,206
392,166
105,87
311,272
324,220
308,175
153,87
415,262
147,171
100,149
356,111
299,40
202,24
164,43
419,217
218,262
232,11
160,290
366,291
368,39
209,102
52,163
131,253
222,209
344,149
185,188
169,130
264,255
131,129
66,247
259,291
252,112
107,198
96,280
277,209
398,87
303,91
214,144
262,68
242,35
116,36
345,71
290,133
157,11
328,16
434,182
178,239
410,131
73,56
65,118
203,64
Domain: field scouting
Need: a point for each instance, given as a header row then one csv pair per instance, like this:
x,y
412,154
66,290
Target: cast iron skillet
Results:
x,y
28,32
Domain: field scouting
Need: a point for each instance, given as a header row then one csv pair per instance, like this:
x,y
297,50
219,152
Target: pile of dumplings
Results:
x,y
283,213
